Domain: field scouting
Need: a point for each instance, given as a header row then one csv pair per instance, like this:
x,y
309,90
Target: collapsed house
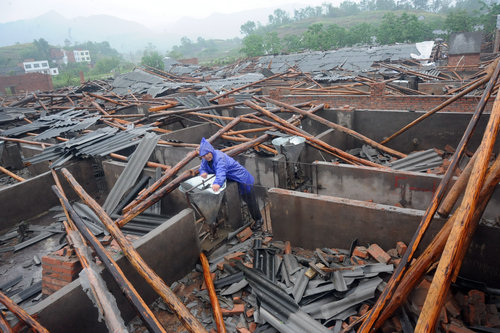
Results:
x,y
353,152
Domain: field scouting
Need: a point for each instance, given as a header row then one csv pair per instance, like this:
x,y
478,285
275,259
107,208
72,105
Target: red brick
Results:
x,y
363,309
60,276
267,240
236,255
393,253
245,234
252,326
360,251
401,248
476,310
49,260
54,282
395,262
236,310
106,240
357,261
380,255
26,82
288,248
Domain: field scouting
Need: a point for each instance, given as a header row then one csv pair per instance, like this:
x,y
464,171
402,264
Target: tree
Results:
x,y
253,45
280,17
106,65
459,21
248,28
272,43
361,34
42,48
421,4
349,8
387,31
292,43
385,4
488,18
152,58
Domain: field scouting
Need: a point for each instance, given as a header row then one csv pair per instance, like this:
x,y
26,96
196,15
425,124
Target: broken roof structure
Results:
x,y
365,160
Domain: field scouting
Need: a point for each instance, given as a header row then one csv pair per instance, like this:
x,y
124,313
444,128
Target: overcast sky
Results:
x,y
147,12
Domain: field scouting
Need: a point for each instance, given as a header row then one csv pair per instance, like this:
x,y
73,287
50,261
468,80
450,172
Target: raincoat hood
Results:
x,y
206,147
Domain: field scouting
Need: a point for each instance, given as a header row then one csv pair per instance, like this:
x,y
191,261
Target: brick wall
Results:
x,y
189,61
387,102
25,83
58,270
464,60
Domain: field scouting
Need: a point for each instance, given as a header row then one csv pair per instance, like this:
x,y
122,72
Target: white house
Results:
x,y
81,55
41,66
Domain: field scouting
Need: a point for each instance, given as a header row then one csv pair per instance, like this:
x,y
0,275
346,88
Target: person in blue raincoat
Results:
x,y
225,167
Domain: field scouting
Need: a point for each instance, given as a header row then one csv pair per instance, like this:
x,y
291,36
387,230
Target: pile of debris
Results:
x,y
263,285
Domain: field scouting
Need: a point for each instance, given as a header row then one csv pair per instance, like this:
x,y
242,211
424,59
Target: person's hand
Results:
x,y
215,187
204,175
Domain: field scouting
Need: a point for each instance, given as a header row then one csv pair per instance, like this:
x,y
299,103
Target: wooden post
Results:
x,y
11,174
456,190
338,127
105,301
113,319
189,321
428,215
21,314
433,251
4,324
297,131
458,241
489,75
219,321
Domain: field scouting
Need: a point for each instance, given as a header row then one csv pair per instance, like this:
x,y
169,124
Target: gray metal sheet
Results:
x,y
132,171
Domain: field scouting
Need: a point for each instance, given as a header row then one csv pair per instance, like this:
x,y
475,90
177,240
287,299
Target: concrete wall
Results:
x,y
10,157
171,250
32,150
314,221
192,134
436,131
439,130
34,196
390,187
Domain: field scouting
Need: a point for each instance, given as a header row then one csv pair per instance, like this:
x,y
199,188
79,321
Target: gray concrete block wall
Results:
x,y
390,187
34,196
314,221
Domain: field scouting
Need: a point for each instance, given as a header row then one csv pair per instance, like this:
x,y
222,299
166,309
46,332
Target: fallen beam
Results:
x,y
189,321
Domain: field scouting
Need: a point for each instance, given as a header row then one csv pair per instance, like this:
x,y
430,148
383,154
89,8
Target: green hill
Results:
x,y
11,56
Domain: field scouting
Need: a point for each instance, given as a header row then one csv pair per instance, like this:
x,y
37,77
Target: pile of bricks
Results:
x,y
59,269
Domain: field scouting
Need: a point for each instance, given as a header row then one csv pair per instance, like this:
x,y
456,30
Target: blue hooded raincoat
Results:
x,y
224,166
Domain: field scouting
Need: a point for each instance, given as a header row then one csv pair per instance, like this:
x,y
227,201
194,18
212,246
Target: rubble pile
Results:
x,y
268,286
280,114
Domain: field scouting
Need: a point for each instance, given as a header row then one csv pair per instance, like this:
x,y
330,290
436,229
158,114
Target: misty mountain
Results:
x,y
125,36
225,26
129,36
